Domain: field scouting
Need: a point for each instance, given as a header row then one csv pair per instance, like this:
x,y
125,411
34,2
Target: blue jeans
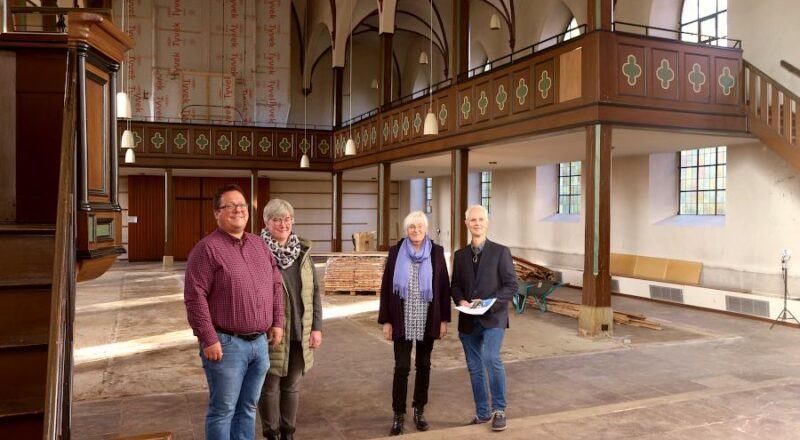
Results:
x,y
482,351
234,386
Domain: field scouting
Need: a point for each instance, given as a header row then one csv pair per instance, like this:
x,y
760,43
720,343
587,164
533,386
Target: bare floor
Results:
x,y
706,375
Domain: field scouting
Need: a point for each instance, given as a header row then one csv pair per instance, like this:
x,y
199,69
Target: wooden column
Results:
x,y
255,213
384,204
600,15
459,179
460,60
596,316
337,82
386,69
336,217
169,218
114,138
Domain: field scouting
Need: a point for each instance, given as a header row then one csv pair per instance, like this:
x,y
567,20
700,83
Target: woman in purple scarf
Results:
x,y
414,306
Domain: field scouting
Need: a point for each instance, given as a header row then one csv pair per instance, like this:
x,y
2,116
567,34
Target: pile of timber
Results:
x,y
527,271
354,273
571,309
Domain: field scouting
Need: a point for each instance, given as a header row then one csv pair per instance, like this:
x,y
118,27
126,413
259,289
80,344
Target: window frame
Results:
x,y
429,195
572,208
720,208
486,195
697,35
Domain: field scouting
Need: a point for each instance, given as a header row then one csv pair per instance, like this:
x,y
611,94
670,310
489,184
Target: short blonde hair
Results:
x,y
278,208
413,218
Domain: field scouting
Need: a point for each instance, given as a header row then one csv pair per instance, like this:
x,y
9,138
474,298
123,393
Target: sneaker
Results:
x,y
478,421
498,421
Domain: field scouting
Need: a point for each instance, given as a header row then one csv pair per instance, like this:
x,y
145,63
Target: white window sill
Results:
x,y
699,221
563,218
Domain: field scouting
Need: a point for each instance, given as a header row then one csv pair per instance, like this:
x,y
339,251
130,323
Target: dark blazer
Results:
x,y
391,306
496,278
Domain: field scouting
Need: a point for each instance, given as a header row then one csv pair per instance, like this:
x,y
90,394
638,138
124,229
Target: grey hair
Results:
x,y
413,217
481,207
278,208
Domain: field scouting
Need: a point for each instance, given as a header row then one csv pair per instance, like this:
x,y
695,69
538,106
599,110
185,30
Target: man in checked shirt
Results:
x,y
233,297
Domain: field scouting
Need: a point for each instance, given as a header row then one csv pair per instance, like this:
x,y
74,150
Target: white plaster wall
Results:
x,y
769,33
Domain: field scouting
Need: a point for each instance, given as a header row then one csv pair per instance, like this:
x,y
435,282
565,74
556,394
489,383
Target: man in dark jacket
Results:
x,y
484,270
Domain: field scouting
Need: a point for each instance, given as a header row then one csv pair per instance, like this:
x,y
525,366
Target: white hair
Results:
x,y
278,208
481,207
413,218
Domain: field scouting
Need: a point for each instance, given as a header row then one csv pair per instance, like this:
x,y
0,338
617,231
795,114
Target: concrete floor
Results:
x,y
706,375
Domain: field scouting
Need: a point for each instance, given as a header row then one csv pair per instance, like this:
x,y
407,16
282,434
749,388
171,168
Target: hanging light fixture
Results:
x,y
423,57
124,104
130,156
494,22
304,161
127,140
350,145
374,83
431,127
123,101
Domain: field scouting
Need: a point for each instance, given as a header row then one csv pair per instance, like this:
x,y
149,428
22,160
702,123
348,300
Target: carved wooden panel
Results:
x,y
444,108
155,139
521,84
483,109
631,65
727,80
201,142
286,144
698,78
663,74
264,143
243,143
465,106
501,96
97,137
544,83
323,148
222,139
179,142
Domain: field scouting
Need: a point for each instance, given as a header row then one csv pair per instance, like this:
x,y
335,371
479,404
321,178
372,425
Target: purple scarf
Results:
x,y
402,269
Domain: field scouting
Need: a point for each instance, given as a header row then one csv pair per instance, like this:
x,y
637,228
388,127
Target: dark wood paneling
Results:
x,y
96,138
146,202
39,114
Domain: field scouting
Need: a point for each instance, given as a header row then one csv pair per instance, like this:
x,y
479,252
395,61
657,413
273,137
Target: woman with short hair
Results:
x,y
293,357
414,308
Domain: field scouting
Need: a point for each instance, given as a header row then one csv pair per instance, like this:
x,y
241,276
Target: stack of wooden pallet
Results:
x,y
571,309
354,274
528,271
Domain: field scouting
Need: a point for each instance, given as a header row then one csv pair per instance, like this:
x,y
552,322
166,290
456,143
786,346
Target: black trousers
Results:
x,y
402,366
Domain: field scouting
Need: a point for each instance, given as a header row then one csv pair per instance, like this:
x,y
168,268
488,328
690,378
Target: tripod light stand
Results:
x,y
785,314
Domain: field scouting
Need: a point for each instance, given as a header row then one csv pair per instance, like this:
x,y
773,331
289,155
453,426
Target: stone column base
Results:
x,y
595,321
166,262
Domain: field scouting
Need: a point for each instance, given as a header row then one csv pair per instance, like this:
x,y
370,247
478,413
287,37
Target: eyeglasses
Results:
x,y
419,227
285,220
234,206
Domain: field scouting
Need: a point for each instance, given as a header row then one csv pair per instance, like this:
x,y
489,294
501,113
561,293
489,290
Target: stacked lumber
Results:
x,y
354,273
527,271
568,308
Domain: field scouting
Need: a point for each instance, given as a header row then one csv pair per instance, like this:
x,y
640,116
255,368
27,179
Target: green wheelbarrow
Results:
x,y
538,290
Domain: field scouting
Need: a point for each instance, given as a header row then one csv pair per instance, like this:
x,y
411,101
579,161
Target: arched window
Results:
x,y
571,30
705,21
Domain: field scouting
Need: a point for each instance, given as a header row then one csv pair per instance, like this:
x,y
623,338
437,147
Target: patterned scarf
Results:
x,y
284,254
402,269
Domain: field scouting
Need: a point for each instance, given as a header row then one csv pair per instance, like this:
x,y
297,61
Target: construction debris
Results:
x,y
568,308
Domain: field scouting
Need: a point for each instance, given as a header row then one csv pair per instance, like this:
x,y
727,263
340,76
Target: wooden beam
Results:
x,y
460,61
386,69
600,15
459,179
384,204
338,80
336,193
596,317
169,222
